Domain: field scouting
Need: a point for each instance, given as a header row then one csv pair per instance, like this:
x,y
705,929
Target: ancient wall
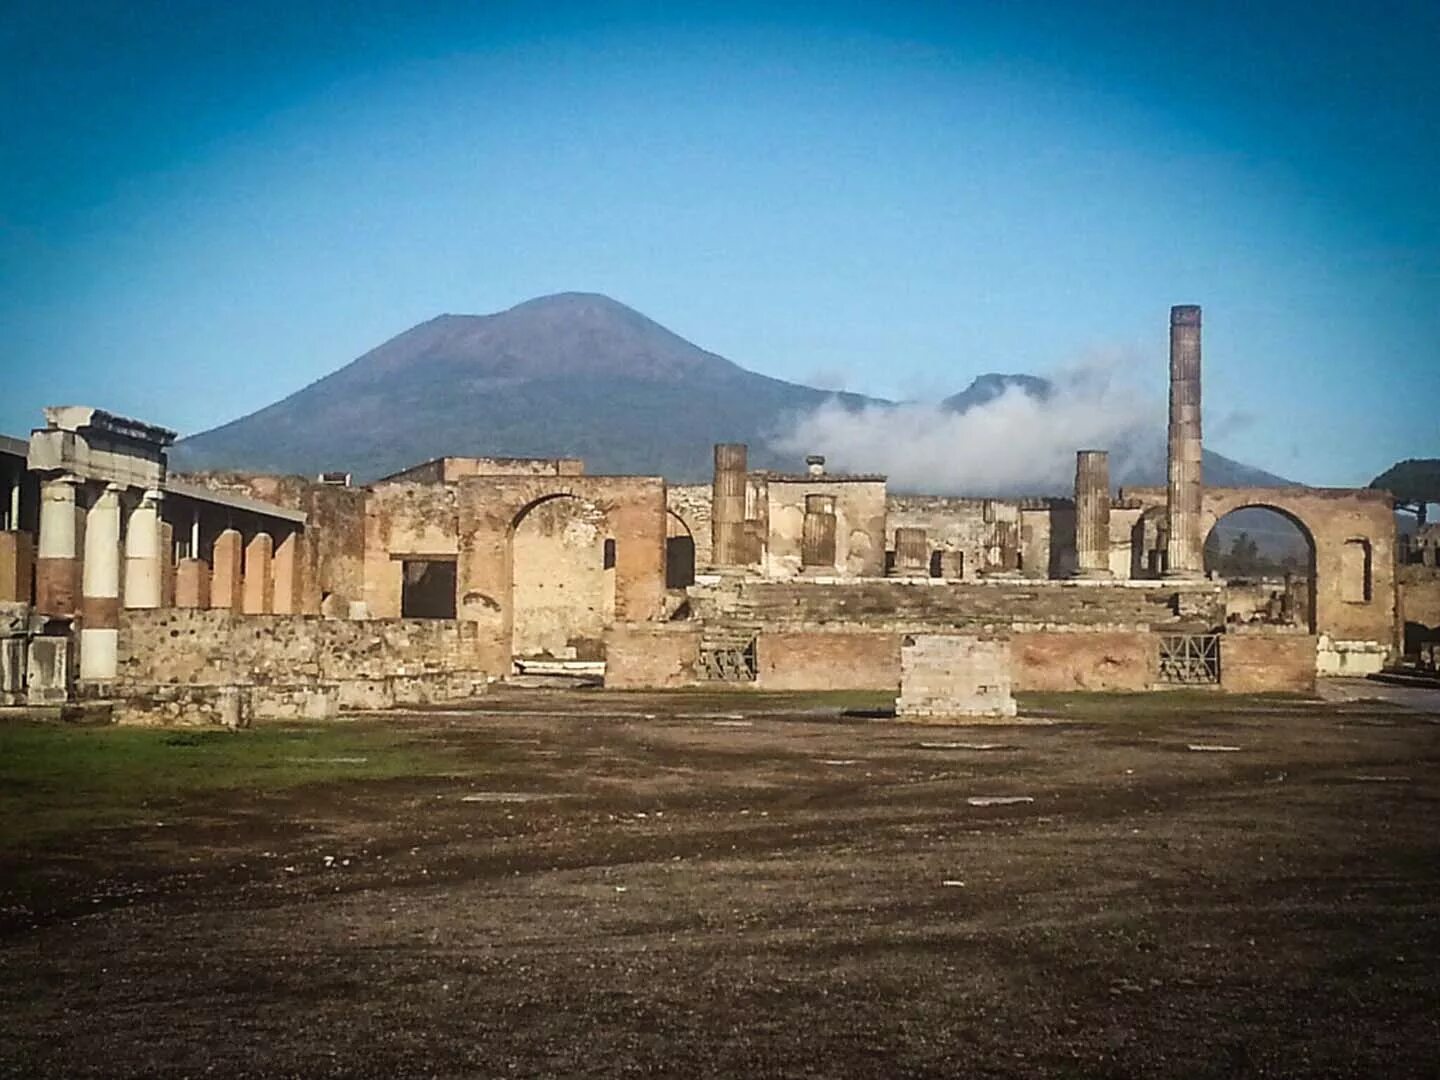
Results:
x,y
333,551
929,604
690,503
821,660
650,655
402,521
450,470
1256,662
860,526
1353,533
491,507
1088,660
17,566
293,664
563,594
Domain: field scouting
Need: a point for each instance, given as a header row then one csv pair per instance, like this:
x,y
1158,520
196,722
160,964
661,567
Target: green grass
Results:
x,y
56,779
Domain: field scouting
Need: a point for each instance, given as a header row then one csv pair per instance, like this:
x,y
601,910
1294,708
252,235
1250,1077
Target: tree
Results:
x,y
1414,482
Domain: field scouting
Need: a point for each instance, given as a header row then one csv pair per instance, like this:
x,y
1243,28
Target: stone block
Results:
x,y
954,677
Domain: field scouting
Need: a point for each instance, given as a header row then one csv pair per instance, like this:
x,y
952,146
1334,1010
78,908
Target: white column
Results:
x,y
15,500
100,589
142,554
55,567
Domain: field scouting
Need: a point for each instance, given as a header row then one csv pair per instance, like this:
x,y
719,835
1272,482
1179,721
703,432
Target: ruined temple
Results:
x,y
222,596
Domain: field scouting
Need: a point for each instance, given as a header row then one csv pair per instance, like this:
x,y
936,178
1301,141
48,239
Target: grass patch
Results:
x,y
56,779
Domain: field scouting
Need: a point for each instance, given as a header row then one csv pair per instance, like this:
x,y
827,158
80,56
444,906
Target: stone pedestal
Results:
x,y
953,677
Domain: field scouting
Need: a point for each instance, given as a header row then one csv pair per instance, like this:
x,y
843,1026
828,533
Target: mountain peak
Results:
x,y
984,389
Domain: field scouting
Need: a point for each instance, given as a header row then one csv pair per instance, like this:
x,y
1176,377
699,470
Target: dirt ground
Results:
x,y
683,885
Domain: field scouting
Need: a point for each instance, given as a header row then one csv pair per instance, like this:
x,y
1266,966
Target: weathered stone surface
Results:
x,y
819,660
954,677
651,655
1269,660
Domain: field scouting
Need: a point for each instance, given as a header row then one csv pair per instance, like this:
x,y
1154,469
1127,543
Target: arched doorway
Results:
x,y
679,552
562,576
1267,557
1148,539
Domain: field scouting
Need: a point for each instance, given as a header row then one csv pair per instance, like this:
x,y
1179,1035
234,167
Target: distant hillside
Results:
x,y
572,374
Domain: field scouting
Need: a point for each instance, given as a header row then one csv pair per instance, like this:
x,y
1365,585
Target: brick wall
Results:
x,y
650,655
1052,660
821,660
922,605
1254,663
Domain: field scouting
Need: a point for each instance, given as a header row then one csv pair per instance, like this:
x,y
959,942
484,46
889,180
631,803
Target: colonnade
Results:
x,y
104,547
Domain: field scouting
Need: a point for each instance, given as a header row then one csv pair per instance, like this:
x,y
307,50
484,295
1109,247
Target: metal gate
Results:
x,y
1190,659
729,664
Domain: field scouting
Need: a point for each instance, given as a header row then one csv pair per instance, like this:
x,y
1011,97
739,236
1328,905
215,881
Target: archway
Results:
x,y
1147,544
1267,557
679,552
562,578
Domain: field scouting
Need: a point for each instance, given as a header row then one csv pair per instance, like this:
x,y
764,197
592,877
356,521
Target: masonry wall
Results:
x,y
1266,662
295,665
1085,660
860,524
650,655
927,604
1419,606
1333,517
563,596
822,660
691,504
489,508
405,520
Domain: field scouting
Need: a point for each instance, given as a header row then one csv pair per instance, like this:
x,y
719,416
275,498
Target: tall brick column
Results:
x,y
226,581
727,506
57,566
1092,514
1186,557
100,592
257,595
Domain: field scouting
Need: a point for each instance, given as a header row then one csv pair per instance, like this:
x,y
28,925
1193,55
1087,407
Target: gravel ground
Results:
x,y
682,885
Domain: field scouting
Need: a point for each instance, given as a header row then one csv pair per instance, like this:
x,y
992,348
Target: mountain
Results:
x,y
574,374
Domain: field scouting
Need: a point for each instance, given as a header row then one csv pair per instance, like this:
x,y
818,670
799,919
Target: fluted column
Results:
x,y
1185,552
727,506
56,563
1092,514
100,590
144,585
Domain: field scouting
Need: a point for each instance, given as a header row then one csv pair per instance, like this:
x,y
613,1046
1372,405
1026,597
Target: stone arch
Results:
x,y
679,551
562,577
1213,513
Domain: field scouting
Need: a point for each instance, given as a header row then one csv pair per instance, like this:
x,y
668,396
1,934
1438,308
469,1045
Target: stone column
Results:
x,y
167,564
1185,553
226,580
192,584
100,591
56,565
13,522
257,596
727,506
1092,514
817,537
912,552
144,583
283,568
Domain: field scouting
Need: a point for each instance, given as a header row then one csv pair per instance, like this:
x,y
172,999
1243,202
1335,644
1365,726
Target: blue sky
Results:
x,y
205,207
